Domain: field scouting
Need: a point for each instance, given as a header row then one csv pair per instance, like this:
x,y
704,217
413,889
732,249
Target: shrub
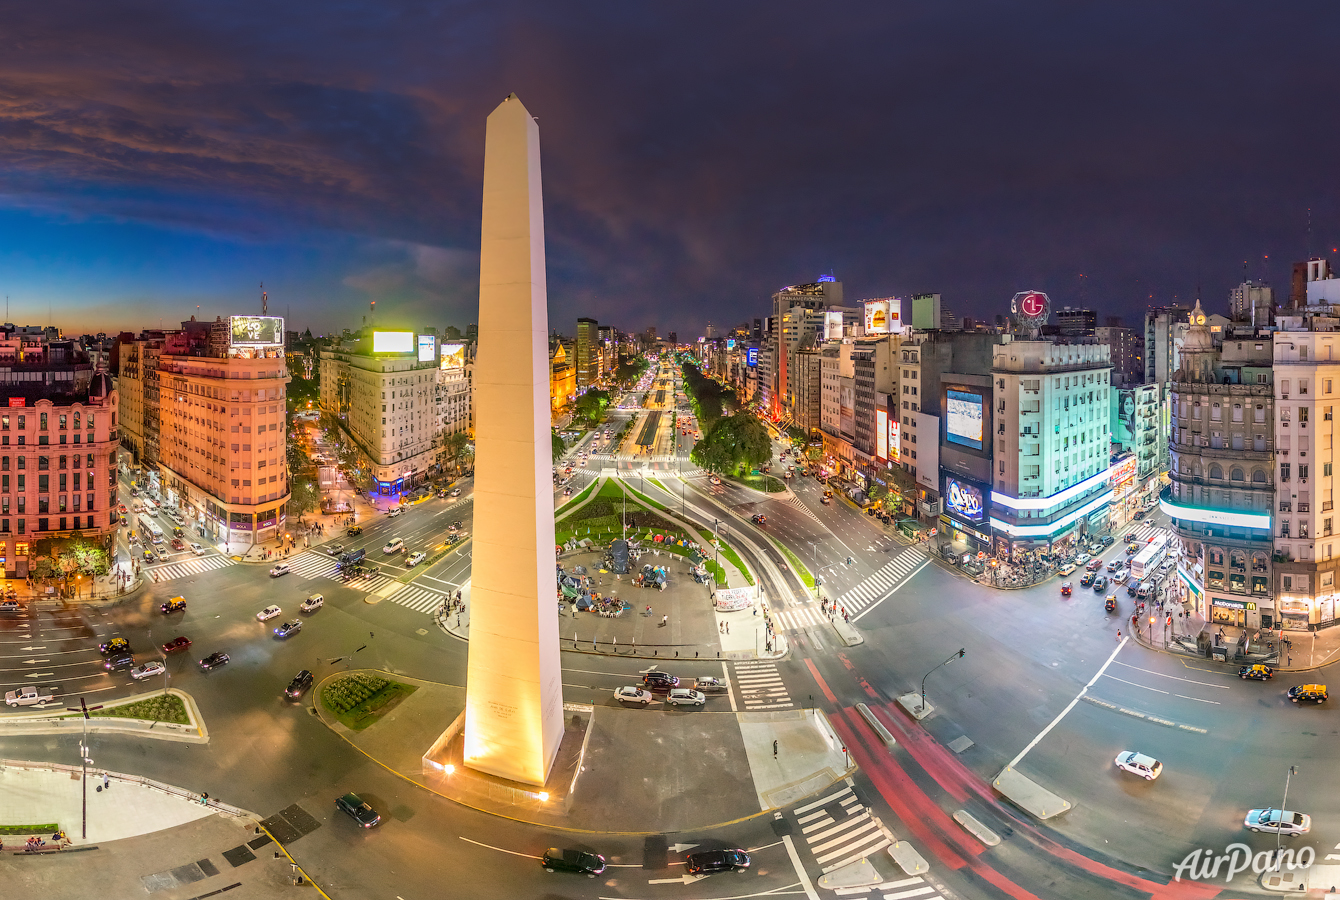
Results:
x,y
347,691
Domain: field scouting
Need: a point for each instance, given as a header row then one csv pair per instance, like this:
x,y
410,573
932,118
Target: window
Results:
x,y
1302,472
42,426
1326,469
62,422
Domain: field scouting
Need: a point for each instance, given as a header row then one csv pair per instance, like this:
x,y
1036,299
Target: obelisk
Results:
x,y
513,690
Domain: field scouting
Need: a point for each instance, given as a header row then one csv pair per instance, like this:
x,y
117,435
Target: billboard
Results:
x,y
255,330
427,348
833,325
881,316
964,500
963,418
392,342
751,356
882,434
895,443
730,343
453,356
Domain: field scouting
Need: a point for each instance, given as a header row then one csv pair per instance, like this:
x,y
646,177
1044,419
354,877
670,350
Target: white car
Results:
x,y
393,546
268,613
714,480
312,603
148,670
391,514
416,558
1146,767
682,696
1082,558
632,694
1283,821
197,549
455,492
281,569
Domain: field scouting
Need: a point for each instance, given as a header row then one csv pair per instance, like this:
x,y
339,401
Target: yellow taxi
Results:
x,y
1316,693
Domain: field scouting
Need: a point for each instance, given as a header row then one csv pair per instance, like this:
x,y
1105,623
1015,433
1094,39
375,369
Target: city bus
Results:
x,y
151,529
1147,561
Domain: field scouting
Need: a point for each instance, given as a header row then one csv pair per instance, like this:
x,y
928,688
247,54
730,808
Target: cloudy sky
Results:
x,y
156,157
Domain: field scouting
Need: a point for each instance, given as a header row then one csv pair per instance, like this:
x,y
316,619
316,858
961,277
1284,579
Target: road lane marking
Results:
x,y
1071,705
1222,687
1198,699
500,849
1134,684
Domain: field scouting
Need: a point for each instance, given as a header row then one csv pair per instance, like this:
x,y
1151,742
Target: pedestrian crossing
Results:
x,y
419,599
315,564
798,617
188,567
878,585
839,830
914,888
759,686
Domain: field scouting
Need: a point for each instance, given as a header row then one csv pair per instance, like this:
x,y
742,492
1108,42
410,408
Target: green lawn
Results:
x,y
162,708
796,564
578,498
731,557
765,483
645,500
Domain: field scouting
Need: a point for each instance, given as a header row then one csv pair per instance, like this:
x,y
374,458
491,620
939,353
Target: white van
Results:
x,y
393,546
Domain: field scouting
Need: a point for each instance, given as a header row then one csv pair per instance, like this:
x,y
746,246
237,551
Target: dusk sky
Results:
x,y
696,156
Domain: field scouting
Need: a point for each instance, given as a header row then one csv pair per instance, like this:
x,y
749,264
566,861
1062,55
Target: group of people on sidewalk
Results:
x,y
36,844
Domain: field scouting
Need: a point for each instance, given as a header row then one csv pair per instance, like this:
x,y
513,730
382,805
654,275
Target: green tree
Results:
x,y
304,497
557,446
591,406
454,447
741,439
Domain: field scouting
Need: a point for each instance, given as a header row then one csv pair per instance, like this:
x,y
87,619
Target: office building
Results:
x,y
588,354
1128,361
1076,322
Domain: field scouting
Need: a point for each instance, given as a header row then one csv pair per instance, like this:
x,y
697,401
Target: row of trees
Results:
x,y
735,441
710,400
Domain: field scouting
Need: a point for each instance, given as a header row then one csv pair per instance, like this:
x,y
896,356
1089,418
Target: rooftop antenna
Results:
x,y
265,301
1310,254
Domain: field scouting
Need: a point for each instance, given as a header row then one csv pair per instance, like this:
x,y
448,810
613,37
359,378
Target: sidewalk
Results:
x,y
1298,651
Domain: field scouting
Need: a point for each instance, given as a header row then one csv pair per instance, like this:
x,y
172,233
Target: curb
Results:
x,y
1278,668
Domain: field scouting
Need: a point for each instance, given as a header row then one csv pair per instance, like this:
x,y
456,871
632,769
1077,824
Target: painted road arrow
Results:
x,y
683,879
33,648
29,662
680,848
39,674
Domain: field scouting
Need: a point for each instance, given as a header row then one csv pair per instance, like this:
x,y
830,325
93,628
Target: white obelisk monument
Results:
x,y
513,692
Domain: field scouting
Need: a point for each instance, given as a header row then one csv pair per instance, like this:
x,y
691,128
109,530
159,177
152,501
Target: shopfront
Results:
x,y
1294,613
1189,591
1239,613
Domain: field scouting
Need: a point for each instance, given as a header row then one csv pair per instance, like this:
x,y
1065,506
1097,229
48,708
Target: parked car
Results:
x,y
579,861
1146,767
214,660
685,697
299,685
633,694
176,604
353,806
148,670
706,862
114,646
289,629
312,603
1283,821
268,613
416,558
659,681
177,644
1315,693
281,569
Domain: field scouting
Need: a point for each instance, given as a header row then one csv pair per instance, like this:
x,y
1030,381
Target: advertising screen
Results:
x,y
730,343
895,443
752,356
964,500
252,330
392,342
453,356
832,325
427,348
963,418
880,316
882,434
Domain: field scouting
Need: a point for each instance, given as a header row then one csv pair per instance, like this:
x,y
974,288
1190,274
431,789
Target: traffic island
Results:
x,y
1028,795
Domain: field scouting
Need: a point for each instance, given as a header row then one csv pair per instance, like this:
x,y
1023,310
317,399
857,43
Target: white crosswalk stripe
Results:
x,y
840,830
760,686
189,567
424,600
799,617
795,501
315,564
879,584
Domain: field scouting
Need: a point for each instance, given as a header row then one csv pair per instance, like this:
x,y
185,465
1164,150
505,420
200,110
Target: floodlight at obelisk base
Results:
x,y
513,689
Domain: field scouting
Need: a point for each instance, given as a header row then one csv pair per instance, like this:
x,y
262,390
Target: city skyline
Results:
x,y
185,164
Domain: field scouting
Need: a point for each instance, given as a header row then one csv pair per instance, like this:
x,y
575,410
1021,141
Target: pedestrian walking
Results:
x,y
727,628
1118,635
106,781
774,749
665,620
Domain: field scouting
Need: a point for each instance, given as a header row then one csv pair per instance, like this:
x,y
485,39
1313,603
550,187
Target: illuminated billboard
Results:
x,y
427,348
963,418
881,316
392,342
453,356
730,343
964,500
256,330
751,356
895,442
882,434
833,325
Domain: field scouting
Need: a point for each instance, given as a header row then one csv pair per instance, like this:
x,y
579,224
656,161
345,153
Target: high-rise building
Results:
x,y
1076,322
1253,302
588,360
1052,437
1128,361
1222,495
791,325
222,454
58,440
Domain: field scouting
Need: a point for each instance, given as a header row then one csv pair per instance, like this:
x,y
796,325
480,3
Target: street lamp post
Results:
x,y
958,655
83,762
1284,804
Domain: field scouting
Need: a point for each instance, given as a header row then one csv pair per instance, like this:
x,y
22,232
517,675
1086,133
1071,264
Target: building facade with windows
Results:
x,y
1222,490
1052,443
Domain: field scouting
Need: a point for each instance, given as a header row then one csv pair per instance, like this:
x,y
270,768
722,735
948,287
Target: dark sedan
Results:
x,y
579,861
353,806
299,685
177,644
213,661
710,861
659,681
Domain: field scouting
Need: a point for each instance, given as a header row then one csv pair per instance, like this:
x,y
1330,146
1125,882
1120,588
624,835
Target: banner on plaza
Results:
x,y
734,598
